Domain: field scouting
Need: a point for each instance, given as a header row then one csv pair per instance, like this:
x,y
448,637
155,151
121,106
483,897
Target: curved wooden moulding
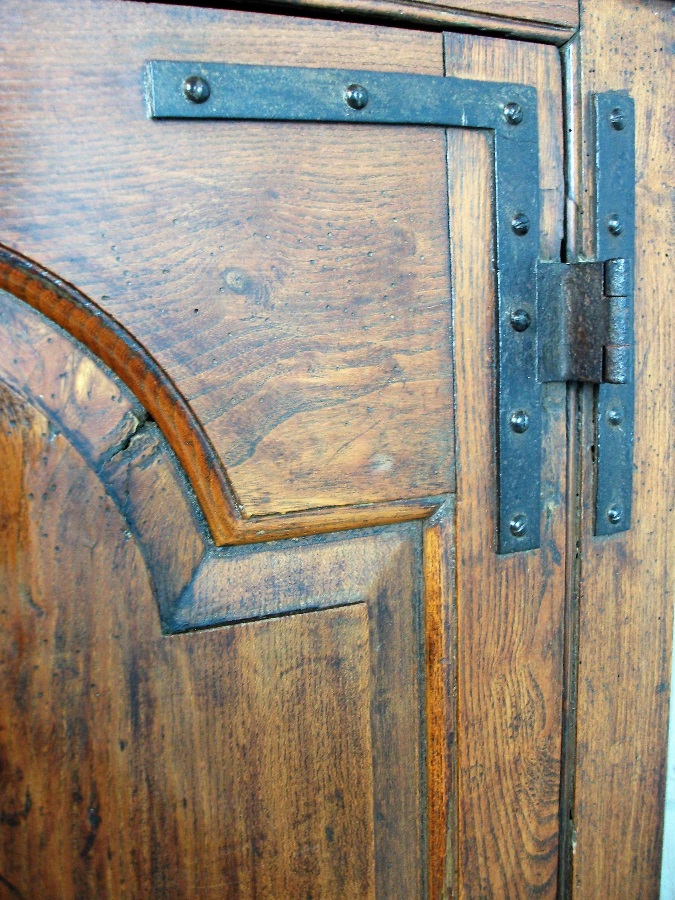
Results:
x,y
196,583
552,22
110,342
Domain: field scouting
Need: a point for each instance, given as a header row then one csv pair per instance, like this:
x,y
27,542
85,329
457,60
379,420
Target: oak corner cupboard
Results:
x,y
336,448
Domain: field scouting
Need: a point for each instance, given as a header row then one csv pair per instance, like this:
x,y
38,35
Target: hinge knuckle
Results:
x,y
618,278
618,357
585,321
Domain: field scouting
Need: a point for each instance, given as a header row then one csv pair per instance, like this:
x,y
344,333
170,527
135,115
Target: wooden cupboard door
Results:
x,y
258,639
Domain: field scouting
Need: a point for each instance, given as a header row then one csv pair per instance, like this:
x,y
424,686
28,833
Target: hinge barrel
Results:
x,y
618,353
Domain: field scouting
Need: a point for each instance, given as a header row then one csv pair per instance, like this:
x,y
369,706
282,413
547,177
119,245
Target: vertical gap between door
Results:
x,y
569,252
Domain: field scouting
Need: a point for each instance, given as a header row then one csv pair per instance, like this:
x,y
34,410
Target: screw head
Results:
x,y
519,421
518,525
614,514
513,113
617,119
356,96
615,415
196,89
614,225
520,224
520,320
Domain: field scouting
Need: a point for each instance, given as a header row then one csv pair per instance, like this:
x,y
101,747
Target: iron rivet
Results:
x,y
615,416
356,96
513,113
518,525
614,514
520,320
520,421
196,89
520,224
615,225
617,119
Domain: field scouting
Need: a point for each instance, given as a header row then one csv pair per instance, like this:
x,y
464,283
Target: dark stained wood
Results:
x,y
258,754
111,431
552,21
626,591
286,278
509,609
94,515
219,764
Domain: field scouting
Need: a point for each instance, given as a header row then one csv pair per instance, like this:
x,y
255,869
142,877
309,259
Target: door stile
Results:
x,y
509,608
626,584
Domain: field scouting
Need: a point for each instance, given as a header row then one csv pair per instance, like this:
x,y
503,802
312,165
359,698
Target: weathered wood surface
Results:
x,y
131,458
111,343
626,592
287,278
553,21
510,608
94,515
217,764
489,675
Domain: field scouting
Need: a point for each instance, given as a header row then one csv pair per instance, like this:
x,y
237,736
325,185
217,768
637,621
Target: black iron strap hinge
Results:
x,y
554,321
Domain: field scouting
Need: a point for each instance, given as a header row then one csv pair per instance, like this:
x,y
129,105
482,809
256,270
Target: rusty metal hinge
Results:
x,y
584,314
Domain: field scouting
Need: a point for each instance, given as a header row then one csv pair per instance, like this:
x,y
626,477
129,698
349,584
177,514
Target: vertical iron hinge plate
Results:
x,y
614,117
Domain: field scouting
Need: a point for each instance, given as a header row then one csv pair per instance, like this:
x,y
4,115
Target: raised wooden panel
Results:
x,y
196,583
289,279
218,764
510,609
96,516
113,345
627,581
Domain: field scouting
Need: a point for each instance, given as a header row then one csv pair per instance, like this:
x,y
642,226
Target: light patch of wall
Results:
x,y
668,867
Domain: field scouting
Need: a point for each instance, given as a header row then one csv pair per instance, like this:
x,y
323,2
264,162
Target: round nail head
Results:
x,y
615,225
617,119
520,224
518,525
520,421
614,515
615,415
356,96
520,320
513,113
196,89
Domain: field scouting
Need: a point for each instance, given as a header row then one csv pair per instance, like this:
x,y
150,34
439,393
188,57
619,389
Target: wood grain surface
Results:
x,y
112,344
441,699
287,812
100,417
552,21
95,515
219,764
509,608
288,278
626,589
292,413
